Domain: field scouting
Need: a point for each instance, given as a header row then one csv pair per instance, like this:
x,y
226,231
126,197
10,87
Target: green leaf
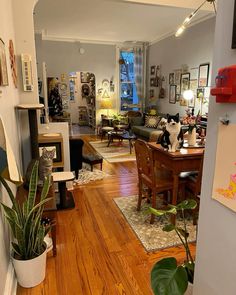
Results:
x,y
157,212
45,189
187,205
167,278
169,227
32,187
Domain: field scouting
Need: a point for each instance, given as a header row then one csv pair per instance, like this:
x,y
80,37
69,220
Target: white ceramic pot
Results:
x,y
192,137
189,290
31,272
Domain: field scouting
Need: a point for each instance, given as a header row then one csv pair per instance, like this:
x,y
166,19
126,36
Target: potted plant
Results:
x,y
28,247
167,277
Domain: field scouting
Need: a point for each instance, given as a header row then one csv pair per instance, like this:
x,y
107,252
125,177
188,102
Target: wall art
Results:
x,y
171,78
172,94
152,70
224,184
177,76
185,79
203,75
3,65
13,63
233,46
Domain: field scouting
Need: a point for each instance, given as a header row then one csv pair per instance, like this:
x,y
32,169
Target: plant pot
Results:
x,y
189,290
30,272
192,137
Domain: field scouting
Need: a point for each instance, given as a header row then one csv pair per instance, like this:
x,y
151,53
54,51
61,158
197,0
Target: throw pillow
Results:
x,y
151,121
162,123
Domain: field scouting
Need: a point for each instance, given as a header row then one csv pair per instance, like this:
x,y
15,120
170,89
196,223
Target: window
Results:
x,y
128,91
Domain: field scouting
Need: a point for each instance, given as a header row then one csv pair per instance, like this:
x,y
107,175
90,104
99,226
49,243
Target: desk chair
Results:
x,y
156,179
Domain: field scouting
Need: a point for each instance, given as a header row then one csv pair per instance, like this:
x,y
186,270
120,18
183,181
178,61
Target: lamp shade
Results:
x,y
106,104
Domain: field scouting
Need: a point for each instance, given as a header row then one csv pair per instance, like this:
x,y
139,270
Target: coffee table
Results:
x,y
121,135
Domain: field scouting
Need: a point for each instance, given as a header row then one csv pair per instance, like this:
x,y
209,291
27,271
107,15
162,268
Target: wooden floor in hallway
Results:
x,y
97,251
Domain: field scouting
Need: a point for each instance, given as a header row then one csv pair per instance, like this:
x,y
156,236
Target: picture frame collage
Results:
x,y
196,79
156,81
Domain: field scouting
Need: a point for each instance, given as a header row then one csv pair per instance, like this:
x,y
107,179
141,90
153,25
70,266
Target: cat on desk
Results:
x,y
172,137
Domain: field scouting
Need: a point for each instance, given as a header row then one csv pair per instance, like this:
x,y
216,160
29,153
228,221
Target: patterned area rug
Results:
x,y
116,152
86,176
151,235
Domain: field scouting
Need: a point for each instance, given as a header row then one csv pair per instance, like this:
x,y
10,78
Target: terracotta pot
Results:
x,y
30,272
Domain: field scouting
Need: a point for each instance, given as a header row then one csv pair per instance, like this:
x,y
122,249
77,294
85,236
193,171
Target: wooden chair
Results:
x,y
193,188
157,180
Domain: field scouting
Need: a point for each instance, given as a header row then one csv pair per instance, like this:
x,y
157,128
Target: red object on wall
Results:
x,y
225,90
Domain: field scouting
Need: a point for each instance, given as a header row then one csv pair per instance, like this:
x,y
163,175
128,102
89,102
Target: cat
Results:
x,y
45,163
172,137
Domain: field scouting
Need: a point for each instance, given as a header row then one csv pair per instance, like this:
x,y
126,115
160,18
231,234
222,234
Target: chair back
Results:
x,y
144,160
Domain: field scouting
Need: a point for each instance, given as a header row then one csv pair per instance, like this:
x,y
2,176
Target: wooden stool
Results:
x,y
93,159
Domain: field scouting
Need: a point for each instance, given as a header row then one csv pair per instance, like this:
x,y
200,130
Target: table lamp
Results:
x,y
106,104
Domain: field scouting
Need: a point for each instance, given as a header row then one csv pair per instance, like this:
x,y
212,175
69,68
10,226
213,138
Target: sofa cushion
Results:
x,y
152,121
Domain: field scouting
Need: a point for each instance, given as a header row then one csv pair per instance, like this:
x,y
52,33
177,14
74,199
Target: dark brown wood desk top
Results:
x,y
184,152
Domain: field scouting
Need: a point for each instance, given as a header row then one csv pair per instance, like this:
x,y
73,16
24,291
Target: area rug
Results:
x,y
86,175
116,152
151,235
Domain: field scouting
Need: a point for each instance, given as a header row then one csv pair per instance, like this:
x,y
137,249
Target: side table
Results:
x,y
66,197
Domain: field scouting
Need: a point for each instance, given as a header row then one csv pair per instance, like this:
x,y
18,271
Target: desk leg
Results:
x,y
66,197
175,194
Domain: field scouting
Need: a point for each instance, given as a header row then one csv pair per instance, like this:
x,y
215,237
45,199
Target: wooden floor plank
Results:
x,y
97,251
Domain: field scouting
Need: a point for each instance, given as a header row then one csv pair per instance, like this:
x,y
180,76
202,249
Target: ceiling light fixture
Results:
x,y
188,19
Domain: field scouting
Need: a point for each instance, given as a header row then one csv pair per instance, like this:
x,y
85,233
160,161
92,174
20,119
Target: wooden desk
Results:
x,y
180,161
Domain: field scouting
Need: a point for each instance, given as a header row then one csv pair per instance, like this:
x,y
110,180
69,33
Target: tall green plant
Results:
x,y
25,219
167,277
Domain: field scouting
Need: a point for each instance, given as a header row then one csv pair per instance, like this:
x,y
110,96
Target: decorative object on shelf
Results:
x,y
189,18
184,85
27,73
172,94
13,63
167,277
203,75
29,249
3,65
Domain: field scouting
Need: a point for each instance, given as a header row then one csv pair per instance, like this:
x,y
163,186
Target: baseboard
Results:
x,y
11,282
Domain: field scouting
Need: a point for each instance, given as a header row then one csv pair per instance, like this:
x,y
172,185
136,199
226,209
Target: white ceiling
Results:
x,y
112,21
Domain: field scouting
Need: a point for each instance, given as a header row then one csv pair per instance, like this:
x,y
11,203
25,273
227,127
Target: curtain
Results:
x,y
138,71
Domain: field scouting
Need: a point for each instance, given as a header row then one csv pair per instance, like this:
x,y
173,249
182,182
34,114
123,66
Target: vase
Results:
x,y
30,272
192,137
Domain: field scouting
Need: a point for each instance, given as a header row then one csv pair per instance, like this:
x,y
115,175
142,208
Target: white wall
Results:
x,y
216,245
64,57
8,99
193,48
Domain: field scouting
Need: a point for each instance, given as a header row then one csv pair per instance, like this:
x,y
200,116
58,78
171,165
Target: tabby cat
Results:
x,y
45,163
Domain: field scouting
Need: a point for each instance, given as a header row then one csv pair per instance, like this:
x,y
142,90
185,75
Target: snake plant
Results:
x,y
25,219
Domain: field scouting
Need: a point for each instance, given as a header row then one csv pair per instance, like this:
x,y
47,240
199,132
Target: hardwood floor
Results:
x,y
97,251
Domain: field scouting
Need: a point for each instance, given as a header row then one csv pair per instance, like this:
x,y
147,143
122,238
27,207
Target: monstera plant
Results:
x,y
167,277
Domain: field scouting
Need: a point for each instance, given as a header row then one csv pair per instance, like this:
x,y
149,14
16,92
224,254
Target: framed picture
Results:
x,y
151,92
153,70
185,80
171,78
172,94
84,77
233,46
177,97
177,76
152,82
13,63
200,92
191,102
3,65
203,75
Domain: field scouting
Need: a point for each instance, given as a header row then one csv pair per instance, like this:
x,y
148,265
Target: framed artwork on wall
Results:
x,y
172,94
3,65
185,80
152,70
171,78
203,75
177,76
233,46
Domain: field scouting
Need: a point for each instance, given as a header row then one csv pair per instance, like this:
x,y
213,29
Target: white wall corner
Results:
x,y
11,281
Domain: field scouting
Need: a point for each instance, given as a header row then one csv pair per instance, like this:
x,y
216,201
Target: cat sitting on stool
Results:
x,y
172,137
